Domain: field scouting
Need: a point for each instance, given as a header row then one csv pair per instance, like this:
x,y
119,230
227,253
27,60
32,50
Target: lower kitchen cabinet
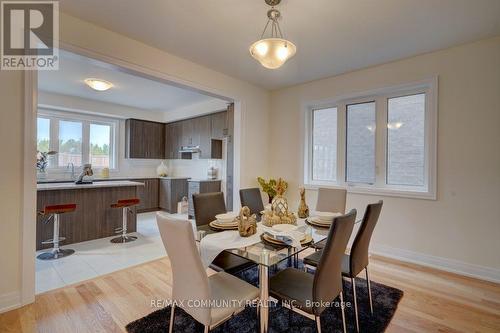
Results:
x,y
148,194
172,190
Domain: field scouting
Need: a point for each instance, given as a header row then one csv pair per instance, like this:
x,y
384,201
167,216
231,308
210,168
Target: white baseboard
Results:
x,y
444,264
10,301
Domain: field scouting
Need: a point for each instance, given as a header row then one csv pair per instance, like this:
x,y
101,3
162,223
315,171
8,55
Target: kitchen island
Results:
x,y
93,218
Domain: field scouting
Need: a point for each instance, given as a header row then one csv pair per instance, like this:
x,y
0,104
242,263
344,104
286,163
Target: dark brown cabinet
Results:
x,y
199,131
172,190
148,194
144,139
218,124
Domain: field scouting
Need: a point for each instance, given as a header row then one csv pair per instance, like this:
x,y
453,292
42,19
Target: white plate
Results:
x,y
327,216
226,217
317,220
284,227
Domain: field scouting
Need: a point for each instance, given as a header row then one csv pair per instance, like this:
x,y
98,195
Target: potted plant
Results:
x,y
268,187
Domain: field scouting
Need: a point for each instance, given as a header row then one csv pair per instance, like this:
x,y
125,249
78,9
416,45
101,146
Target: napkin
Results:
x,y
291,238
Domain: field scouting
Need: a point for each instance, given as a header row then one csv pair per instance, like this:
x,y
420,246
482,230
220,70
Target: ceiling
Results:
x,y
332,36
129,90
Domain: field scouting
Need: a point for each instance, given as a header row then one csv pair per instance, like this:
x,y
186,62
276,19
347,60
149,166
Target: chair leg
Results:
x,y
171,324
343,312
318,324
353,281
369,289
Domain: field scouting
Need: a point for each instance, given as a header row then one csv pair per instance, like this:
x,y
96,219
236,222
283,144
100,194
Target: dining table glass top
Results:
x,y
269,254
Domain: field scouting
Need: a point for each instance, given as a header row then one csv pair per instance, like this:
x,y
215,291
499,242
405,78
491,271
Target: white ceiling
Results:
x,y
332,36
128,90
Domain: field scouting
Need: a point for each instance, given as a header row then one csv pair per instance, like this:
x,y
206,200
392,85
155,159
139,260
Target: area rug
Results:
x,y
385,302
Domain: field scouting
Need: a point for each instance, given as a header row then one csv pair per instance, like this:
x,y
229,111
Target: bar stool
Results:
x,y
125,205
54,211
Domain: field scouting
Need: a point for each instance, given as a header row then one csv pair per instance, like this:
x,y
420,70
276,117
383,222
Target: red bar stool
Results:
x,y
125,205
54,211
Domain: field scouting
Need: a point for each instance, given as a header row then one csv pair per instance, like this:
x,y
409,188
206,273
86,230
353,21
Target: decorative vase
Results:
x,y
270,198
162,170
303,210
280,205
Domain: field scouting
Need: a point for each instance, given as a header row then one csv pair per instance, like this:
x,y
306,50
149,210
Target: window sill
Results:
x,y
389,192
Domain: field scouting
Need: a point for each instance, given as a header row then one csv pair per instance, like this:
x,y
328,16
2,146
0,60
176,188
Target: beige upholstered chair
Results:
x,y
191,283
331,200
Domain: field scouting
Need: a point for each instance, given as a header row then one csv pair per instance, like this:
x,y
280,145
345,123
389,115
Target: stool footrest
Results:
x,y
51,241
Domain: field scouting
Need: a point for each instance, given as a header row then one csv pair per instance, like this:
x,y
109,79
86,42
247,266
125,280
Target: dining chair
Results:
x,y
251,198
331,200
221,295
309,294
206,207
357,260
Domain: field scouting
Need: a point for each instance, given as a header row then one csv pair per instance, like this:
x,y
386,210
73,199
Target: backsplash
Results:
x,y
195,168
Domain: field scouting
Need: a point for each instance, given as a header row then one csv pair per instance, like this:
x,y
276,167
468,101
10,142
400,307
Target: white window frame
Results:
x,y
380,96
56,116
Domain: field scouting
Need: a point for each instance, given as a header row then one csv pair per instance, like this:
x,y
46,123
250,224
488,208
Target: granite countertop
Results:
x,y
98,184
54,181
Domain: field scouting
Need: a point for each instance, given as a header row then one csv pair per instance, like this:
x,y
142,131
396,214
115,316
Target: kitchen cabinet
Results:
x,y
218,125
148,194
172,190
199,131
200,186
144,139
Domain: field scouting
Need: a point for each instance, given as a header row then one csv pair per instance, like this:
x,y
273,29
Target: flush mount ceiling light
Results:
x,y
98,84
272,52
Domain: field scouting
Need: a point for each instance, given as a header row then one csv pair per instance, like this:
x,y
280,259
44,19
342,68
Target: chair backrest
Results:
x,y
251,198
190,281
331,200
207,205
358,258
328,277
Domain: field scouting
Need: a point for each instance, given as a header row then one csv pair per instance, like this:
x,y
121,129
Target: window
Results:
x,y
43,135
70,143
381,142
77,139
325,144
100,142
360,148
405,140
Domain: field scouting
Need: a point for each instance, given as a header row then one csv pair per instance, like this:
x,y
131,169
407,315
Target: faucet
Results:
x,y
70,164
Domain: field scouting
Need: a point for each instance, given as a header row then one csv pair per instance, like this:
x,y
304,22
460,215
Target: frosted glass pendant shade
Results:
x,y
272,53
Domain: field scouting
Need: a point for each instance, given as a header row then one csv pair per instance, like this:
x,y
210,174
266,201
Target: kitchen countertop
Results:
x,y
198,180
96,184
53,181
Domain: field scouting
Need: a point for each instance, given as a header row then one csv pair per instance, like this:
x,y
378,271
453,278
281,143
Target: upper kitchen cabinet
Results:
x,y
144,139
205,132
218,124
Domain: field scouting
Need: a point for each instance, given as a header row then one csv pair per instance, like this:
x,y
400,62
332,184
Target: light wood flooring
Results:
x,y
433,301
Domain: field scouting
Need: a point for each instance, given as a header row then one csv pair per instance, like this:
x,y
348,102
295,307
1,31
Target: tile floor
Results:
x,y
99,257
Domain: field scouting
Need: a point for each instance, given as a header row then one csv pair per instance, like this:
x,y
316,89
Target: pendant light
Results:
x,y
272,52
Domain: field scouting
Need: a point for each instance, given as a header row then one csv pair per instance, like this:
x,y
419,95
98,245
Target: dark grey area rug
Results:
x,y
385,302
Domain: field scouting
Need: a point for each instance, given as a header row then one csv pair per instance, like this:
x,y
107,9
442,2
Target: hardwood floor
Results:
x,y
434,301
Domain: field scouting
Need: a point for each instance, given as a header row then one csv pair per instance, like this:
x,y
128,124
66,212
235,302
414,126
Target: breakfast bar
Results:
x,y
93,218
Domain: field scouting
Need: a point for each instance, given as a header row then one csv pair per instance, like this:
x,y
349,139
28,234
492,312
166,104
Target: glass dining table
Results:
x,y
266,255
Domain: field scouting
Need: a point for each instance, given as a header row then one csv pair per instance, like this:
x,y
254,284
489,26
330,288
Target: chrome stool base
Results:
x,y
55,254
123,239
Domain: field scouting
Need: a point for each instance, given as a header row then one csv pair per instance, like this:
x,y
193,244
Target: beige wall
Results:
x,y
254,103
461,229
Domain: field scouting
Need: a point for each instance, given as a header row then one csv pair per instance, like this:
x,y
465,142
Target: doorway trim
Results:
x,y
28,213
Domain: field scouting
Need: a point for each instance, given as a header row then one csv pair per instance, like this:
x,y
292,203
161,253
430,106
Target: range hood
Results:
x,y
190,149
